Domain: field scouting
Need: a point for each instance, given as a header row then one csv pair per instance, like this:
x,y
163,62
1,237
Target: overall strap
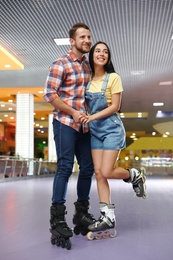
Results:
x,y
105,82
88,85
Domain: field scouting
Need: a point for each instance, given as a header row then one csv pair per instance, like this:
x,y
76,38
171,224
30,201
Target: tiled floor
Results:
x,y
145,227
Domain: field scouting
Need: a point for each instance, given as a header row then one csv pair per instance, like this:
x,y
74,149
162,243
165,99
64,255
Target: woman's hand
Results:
x,y
84,119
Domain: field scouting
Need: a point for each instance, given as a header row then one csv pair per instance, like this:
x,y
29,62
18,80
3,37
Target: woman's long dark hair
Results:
x,y
109,68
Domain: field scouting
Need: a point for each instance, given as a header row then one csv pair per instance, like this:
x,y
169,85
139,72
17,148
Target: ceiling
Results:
x,y
138,32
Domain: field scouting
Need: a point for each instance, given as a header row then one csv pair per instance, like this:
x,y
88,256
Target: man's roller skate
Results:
x,y
82,219
138,180
60,231
104,227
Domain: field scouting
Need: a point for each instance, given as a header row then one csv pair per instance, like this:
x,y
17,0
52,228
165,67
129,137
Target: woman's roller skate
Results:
x,y
104,227
82,219
138,180
60,231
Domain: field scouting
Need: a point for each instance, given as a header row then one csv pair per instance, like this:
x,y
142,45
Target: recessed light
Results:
x,y
137,72
7,66
158,104
165,83
62,41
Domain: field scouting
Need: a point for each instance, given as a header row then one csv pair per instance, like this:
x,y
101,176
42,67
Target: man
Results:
x,y
64,90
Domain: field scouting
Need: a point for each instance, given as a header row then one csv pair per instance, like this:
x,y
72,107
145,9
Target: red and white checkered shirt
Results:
x,y
67,78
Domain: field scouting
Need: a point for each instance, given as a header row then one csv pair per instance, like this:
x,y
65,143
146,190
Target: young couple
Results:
x,y
86,96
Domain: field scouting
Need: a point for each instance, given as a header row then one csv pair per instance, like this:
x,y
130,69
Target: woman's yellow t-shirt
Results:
x,y
114,86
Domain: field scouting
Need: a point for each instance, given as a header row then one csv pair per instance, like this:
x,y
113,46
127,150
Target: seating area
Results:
x,y
15,167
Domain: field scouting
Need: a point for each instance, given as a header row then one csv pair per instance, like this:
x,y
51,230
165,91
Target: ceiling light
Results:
x,y
172,37
62,41
158,104
7,66
137,72
122,115
165,83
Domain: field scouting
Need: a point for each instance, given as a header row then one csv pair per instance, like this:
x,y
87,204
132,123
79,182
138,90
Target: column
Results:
x,y
25,128
51,144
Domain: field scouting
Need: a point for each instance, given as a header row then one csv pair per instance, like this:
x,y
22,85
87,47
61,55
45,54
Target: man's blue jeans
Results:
x,y
68,143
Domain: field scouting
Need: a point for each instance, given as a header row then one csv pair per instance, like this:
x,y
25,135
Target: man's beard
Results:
x,y
82,50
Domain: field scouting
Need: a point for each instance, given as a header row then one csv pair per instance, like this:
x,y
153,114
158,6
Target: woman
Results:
x,y
103,96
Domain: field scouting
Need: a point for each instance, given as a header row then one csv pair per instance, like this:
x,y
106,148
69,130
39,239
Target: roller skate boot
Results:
x,y
82,219
104,227
60,231
138,180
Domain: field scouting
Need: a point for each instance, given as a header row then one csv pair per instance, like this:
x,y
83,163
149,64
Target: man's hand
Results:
x,y
78,115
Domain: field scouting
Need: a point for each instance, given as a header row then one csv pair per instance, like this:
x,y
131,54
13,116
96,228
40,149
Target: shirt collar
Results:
x,y
75,58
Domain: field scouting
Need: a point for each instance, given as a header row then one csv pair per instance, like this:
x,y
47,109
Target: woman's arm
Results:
x,y
114,107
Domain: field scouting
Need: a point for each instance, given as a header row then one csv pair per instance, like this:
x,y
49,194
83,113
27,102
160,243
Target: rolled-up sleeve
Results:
x,y
53,81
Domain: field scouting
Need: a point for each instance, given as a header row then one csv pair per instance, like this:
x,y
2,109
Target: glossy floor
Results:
x,y
144,227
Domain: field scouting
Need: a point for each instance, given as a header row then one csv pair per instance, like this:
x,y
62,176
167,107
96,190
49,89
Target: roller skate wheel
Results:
x,y
114,234
76,230
90,235
105,236
144,196
68,244
52,240
84,232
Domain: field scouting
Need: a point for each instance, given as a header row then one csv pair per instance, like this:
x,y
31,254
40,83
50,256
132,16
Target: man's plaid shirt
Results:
x,y
67,78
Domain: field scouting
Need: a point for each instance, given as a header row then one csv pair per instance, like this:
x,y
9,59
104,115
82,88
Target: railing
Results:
x,y
11,166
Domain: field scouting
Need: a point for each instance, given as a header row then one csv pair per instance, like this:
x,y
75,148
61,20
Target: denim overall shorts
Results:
x,y
106,133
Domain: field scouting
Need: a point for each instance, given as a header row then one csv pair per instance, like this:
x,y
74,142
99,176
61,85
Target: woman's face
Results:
x,y
100,55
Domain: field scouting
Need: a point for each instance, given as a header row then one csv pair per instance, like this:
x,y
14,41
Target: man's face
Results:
x,y
82,41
